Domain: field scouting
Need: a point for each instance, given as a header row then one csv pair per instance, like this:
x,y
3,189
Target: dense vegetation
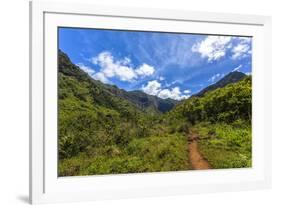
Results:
x,y
222,118
106,130
227,104
101,132
226,145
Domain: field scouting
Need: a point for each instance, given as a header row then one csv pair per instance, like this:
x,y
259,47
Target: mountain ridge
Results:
x,y
138,98
231,77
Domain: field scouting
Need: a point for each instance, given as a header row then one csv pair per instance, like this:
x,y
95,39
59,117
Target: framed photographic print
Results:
x,y
129,102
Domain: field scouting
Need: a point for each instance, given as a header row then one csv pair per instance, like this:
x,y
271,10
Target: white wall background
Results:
x,y
14,100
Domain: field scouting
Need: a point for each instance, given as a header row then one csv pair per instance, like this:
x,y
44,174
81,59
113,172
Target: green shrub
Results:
x,y
230,147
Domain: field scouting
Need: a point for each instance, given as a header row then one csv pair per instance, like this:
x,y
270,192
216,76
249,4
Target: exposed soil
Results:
x,y
196,159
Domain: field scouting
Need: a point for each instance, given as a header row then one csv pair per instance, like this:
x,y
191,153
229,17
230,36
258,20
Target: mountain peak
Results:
x,y
231,77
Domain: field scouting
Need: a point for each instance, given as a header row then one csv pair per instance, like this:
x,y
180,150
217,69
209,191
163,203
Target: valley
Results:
x,y
107,130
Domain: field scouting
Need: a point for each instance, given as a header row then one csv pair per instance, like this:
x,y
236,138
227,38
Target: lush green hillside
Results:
x,y
222,118
106,130
227,104
103,130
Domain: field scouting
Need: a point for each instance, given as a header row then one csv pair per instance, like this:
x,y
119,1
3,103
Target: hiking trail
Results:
x,y
196,159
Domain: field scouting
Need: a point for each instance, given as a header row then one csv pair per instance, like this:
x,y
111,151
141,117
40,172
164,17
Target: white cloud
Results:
x,y
241,50
101,77
121,69
145,70
154,88
114,68
215,77
186,91
245,39
237,68
161,78
94,60
212,47
248,73
87,69
215,47
166,93
125,73
126,61
173,93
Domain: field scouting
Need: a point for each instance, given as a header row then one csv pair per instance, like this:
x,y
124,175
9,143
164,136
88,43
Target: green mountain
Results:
x,y
149,102
101,92
106,130
231,77
226,104
94,115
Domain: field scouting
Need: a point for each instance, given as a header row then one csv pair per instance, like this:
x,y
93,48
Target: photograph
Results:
x,y
133,101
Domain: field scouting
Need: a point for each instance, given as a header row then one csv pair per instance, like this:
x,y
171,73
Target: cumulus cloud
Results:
x,y
212,47
119,68
215,47
145,70
101,77
173,93
114,68
154,88
85,68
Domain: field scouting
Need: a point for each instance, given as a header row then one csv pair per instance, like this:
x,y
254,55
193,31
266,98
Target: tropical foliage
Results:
x,y
106,130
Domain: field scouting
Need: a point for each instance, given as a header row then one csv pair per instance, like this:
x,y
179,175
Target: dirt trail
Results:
x,y
196,159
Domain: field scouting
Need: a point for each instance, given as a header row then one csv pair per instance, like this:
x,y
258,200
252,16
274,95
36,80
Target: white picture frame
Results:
x,y
46,187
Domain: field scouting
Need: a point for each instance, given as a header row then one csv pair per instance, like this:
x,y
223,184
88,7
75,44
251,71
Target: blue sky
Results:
x,y
168,65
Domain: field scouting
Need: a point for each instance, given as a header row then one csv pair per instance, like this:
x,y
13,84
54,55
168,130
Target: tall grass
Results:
x,y
150,154
226,145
